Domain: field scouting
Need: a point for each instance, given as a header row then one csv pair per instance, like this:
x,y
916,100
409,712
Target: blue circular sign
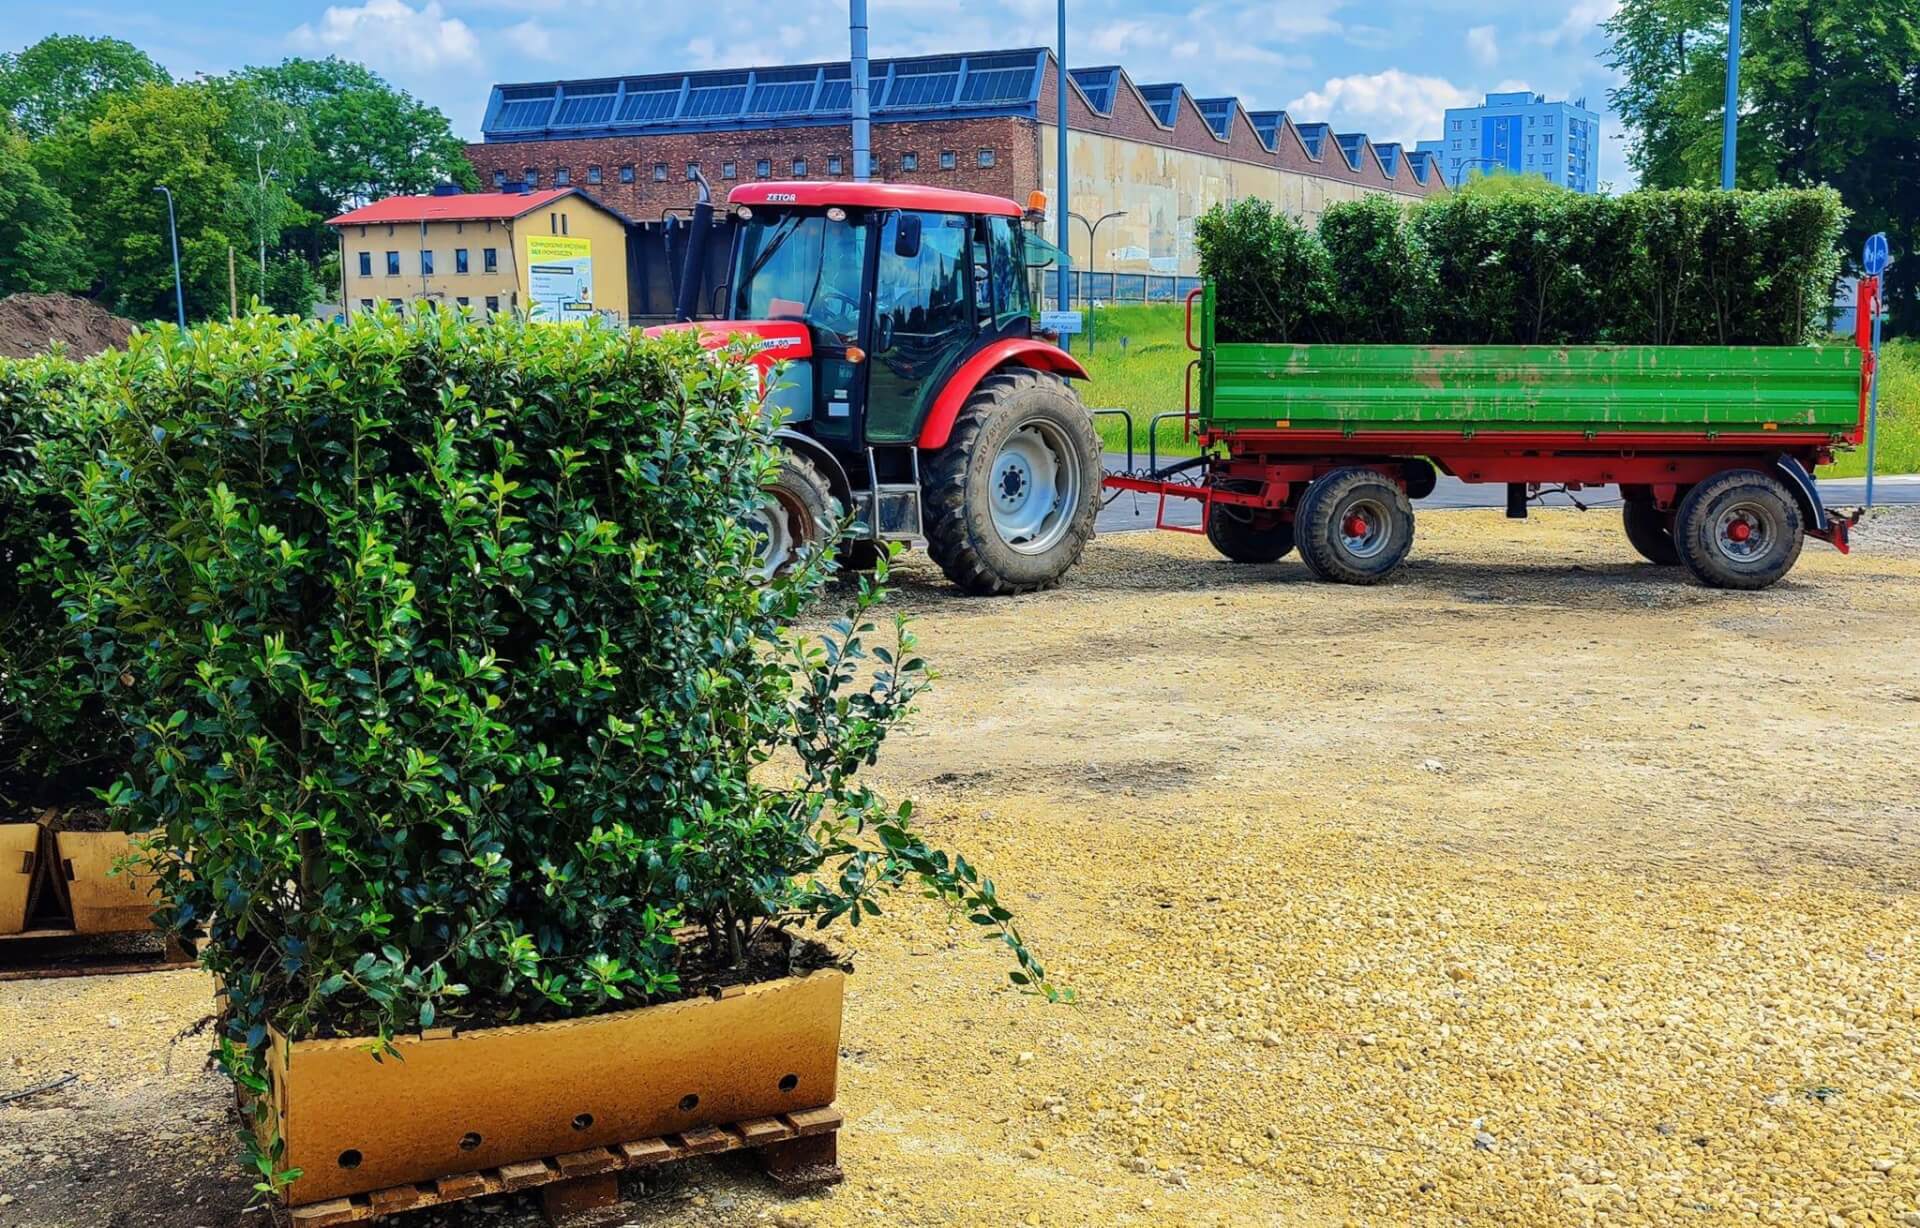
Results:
x,y
1874,259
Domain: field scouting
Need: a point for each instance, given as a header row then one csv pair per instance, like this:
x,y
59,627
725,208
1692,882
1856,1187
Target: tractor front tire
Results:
x,y
1010,501
797,513
1650,531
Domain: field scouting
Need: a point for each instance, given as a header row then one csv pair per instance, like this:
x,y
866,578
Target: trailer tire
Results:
x,y
1249,535
1354,526
1017,423
1650,531
1741,529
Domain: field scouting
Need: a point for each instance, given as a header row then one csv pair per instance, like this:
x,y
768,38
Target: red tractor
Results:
x,y
914,401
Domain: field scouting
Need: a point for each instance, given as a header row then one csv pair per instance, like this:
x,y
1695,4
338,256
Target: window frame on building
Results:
x,y
729,170
836,165
593,175
799,167
949,160
490,259
366,263
626,173
909,161
693,171
562,176
763,168
393,264
462,264
659,172
493,304
426,262
532,179
499,178
988,159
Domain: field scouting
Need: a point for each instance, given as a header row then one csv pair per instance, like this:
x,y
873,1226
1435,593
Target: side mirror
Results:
x,y
906,238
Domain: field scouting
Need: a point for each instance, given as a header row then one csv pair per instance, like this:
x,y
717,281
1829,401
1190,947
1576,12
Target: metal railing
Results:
x,y
1120,287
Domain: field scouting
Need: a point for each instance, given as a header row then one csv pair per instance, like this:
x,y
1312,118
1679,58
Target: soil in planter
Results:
x,y
77,819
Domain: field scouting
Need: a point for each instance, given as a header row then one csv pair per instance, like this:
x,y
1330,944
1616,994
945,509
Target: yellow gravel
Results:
x,y
1536,887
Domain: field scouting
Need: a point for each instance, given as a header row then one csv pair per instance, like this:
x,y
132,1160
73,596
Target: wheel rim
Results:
x,y
1035,488
1744,534
780,523
1365,528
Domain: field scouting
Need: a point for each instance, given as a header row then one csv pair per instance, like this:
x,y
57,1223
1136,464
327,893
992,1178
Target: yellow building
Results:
x,y
553,255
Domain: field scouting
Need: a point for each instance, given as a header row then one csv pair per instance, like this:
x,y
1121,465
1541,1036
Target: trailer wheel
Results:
x,y
1249,535
1353,526
1010,501
1741,529
798,512
1650,531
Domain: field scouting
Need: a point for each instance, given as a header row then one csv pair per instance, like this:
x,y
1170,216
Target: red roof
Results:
x,y
873,196
463,207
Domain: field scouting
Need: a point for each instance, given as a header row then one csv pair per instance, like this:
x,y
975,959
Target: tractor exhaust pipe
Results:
x,y
694,267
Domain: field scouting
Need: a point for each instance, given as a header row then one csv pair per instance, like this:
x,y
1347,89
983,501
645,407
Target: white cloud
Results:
x,y
532,40
392,34
1388,106
1483,44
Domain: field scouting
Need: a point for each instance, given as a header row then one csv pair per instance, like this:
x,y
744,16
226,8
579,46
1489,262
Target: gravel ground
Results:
x,y
1536,886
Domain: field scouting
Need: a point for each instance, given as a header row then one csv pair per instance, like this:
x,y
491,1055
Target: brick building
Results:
x,y
984,122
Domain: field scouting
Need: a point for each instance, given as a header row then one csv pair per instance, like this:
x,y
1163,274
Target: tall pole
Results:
x,y
1063,234
173,232
1093,260
1732,138
862,105
260,221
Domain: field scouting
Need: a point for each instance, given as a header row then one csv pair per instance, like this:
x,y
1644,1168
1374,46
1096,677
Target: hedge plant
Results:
x,y
457,698
1547,267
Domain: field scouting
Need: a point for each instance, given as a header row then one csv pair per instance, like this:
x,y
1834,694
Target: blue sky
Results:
x,y
1385,67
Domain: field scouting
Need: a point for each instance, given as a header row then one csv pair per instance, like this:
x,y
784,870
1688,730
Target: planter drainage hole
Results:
x,y
350,1158
789,1082
469,1141
583,1121
689,1103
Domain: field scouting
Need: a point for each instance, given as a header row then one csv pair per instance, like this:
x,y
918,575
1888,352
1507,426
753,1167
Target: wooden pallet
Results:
x,y
800,1151
49,954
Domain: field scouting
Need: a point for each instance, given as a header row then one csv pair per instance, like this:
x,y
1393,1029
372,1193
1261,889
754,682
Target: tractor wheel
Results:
x,y
1246,535
1650,530
859,558
1010,501
1353,526
798,513
1740,529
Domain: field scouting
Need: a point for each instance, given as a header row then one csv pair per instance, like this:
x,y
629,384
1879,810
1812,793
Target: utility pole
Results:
x,y
1063,234
1731,139
233,287
862,104
173,231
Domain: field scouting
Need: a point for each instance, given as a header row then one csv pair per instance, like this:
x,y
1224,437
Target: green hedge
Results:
x,y
455,694
1527,268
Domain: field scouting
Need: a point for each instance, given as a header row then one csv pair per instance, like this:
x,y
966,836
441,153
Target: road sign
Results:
x,y
1874,260
1066,323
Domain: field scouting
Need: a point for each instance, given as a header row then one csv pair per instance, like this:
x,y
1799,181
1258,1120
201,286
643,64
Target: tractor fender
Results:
x,y
815,451
1009,352
1805,493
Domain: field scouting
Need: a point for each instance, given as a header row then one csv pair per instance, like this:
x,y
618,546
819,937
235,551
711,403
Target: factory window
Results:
x,y
562,177
693,170
533,177
799,168
763,168
834,165
626,174
460,264
593,174
426,262
909,161
729,171
659,172
366,264
393,264
490,259
493,304
499,179
947,160
986,157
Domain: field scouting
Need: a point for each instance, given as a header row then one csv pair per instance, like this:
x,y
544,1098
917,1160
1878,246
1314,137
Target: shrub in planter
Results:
x,y
1382,283
1271,275
458,702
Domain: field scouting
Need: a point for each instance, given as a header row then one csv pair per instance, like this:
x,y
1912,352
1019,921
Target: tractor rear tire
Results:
x,y
1741,529
1246,535
799,513
1650,531
1009,503
1354,526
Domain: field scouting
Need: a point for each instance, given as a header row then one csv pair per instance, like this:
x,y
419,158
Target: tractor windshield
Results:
x,y
801,266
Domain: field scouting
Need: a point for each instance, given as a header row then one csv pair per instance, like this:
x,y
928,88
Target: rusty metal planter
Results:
x,y
102,901
461,1101
19,858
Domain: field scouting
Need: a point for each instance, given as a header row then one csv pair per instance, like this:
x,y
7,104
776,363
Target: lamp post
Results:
x,y
857,92
173,232
1093,228
1466,162
1062,230
1731,138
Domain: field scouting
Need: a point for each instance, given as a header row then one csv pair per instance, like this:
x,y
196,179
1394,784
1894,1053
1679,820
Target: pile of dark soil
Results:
x,y
31,323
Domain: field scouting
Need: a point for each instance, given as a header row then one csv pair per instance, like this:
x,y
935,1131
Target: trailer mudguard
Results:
x,y
815,451
1009,352
1820,523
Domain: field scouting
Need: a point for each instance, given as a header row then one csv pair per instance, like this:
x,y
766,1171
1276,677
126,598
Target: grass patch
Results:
x,y
1898,447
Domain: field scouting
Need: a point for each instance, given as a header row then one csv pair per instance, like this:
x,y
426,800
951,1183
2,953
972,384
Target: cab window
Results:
x,y
1006,253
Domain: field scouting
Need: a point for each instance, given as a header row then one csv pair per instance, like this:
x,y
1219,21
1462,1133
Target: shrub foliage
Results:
x,y
1531,268
455,696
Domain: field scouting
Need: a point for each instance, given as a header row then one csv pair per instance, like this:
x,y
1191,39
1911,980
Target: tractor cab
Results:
x,y
895,320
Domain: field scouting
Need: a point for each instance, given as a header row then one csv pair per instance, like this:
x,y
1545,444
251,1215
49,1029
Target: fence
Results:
x,y
1119,287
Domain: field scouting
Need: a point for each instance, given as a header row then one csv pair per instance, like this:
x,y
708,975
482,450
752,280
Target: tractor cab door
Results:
x,y
923,319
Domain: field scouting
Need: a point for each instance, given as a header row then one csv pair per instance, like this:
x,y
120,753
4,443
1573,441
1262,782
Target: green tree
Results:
x,y
176,135
69,78
40,248
1830,93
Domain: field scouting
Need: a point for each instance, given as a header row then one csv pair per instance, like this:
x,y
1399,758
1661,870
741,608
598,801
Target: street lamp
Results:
x,y
1731,138
1093,228
1466,162
173,232
1061,235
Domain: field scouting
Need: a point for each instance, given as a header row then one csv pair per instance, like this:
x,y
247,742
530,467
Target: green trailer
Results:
x,y
1324,447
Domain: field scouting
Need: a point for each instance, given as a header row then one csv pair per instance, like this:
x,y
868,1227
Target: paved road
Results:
x,y
1129,513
